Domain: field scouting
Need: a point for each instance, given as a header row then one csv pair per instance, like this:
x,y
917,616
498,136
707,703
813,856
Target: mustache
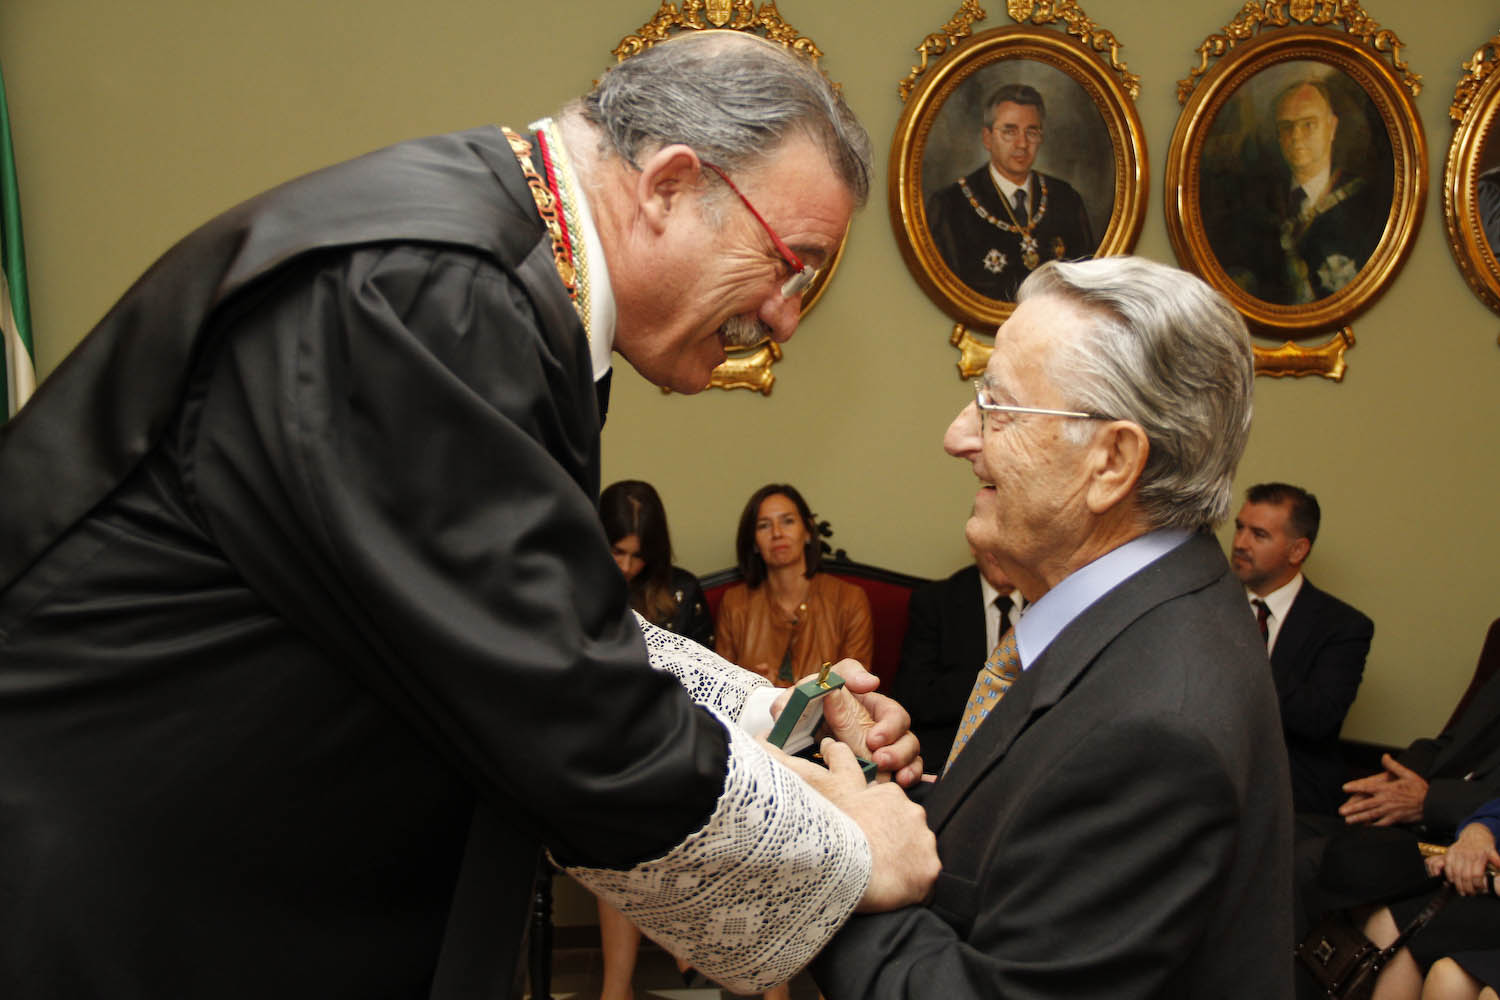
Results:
x,y
744,331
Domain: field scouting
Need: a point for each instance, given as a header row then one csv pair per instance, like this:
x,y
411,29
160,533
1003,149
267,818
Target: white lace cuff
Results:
x,y
751,897
711,680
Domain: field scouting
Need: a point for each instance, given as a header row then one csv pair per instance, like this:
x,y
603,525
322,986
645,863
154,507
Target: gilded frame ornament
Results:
x,y
750,367
1297,274
1471,182
1091,110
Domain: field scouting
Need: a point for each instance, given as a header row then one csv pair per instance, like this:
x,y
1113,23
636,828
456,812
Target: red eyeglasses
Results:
x,y
803,275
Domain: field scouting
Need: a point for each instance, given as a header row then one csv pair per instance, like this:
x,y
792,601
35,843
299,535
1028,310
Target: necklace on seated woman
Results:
x,y
797,589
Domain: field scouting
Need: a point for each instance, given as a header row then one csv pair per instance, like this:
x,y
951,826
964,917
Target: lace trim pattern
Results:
x,y
710,680
751,897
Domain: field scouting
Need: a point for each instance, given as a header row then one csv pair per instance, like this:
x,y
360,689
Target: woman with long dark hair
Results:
x,y
635,522
787,619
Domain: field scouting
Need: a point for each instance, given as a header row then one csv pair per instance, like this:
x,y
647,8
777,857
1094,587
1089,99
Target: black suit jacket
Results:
x,y
302,580
966,240
1462,765
1266,249
1341,866
1120,825
940,656
1317,663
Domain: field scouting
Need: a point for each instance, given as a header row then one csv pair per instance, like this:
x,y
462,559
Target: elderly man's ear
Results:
x,y
666,176
1117,456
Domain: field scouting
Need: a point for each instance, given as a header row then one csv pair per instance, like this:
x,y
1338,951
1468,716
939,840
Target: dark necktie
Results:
x,y
1298,197
601,392
998,674
1020,203
1004,604
1262,614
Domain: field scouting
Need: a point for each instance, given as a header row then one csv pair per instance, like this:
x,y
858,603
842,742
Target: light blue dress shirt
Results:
x,y
1046,618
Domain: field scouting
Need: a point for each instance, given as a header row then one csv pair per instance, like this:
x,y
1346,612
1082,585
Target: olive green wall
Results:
x,y
135,122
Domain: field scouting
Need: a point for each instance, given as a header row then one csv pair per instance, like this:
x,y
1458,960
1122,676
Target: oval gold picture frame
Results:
x,y
1473,154
1122,136
1360,66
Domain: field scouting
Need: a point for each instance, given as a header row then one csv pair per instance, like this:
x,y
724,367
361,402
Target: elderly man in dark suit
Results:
x,y
952,624
1317,643
1117,822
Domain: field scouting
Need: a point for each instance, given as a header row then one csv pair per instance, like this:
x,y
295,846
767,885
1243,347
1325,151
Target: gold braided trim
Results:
x,y
564,182
546,206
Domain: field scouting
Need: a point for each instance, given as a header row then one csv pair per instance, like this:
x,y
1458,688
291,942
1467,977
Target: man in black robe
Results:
x,y
999,223
309,634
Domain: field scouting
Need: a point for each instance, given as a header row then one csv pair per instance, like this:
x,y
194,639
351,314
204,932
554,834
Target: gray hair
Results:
x,y
734,98
1164,350
1014,93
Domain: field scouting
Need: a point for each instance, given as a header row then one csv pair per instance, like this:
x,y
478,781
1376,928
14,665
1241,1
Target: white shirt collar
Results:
x,y
1316,187
1006,187
988,593
602,298
1279,601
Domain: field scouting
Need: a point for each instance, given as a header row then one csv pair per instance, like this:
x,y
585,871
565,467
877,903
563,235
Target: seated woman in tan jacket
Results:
x,y
786,620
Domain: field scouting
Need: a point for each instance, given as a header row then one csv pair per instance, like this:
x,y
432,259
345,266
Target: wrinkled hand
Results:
x,y
1396,795
903,851
1467,861
875,727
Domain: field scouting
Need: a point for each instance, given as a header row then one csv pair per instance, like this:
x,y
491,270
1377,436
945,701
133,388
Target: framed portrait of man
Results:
x,y
1296,181
1021,146
1471,183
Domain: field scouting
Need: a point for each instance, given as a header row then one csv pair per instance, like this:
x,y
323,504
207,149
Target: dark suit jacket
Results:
x,y
1317,664
1340,866
1462,765
1275,256
965,240
1119,827
940,656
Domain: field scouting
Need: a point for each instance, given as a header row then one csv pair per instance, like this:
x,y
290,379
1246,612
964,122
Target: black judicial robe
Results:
x,y
989,259
300,580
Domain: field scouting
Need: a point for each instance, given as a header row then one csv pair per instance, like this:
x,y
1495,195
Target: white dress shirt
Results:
x,y
992,613
1279,601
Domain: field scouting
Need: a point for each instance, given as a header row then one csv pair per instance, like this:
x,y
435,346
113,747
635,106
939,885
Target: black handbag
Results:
x,y
1345,962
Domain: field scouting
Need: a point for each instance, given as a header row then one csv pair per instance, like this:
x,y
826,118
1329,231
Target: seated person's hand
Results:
x,y
1468,861
903,851
875,727
1395,795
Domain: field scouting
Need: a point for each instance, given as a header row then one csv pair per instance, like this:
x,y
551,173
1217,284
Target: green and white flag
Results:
x,y
17,369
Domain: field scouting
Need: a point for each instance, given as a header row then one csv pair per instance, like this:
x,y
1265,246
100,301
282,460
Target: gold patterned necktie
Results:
x,y
999,673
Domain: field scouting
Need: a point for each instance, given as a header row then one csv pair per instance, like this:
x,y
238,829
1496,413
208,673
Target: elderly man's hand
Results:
x,y
903,851
1396,795
1468,861
875,727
